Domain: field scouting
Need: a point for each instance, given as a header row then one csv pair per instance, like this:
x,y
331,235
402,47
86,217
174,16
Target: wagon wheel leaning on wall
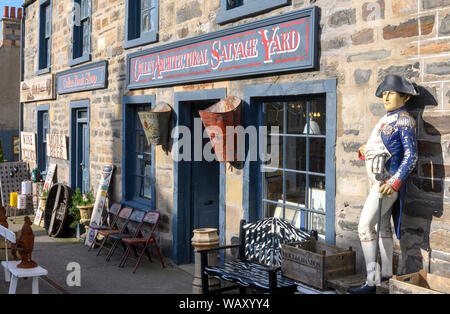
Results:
x,y
57,210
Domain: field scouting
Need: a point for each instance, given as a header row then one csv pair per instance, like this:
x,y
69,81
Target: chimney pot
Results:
x,y
5,11
19,13
13,12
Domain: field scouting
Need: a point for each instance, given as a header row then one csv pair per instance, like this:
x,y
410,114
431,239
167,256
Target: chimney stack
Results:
x,y
6,11
19,13
13,13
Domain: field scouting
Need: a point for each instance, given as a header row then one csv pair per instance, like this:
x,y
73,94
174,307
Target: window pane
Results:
x,y
84,9
273,186
86,37
47,21
317,155
317,113
295,188
145,4
274,116
273,155
296,117
145,21
82,114
317,193
316,222
295,153
234,4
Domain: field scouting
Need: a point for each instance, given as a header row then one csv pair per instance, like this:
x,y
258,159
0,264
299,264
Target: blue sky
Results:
x,y
9,3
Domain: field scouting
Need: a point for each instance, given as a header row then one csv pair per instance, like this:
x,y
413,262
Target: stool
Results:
x,y
12,275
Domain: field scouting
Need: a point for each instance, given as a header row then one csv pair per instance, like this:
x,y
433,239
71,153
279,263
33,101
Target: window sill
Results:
x,y
252,8
138,203
43,71
80,60
149,38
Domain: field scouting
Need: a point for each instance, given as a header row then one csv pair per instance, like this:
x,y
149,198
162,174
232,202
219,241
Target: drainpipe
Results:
x,y
22,46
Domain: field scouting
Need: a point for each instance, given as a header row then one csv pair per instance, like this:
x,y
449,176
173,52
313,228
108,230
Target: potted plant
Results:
x,y
81,209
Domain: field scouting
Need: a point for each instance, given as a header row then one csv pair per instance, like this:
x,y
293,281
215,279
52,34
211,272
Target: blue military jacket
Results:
x,y
399,137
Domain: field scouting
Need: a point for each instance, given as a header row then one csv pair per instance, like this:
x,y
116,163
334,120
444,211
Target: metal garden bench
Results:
x,y
258,264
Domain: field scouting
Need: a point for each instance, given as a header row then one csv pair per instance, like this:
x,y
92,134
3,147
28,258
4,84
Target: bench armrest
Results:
x,y
218,248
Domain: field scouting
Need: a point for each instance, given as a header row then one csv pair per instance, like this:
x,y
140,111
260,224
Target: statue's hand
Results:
x,y
386,189
362,150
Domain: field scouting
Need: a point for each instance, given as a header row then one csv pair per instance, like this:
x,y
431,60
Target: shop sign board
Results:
x,y
88,77
28,146
282,43
38,88
100,200
57,146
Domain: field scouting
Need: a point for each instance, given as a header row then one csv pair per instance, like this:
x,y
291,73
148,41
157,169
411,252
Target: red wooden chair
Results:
x,y
109,223
121,223
132,229
151,220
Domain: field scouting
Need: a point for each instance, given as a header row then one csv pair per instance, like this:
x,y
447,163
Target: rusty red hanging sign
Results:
x,y
277,44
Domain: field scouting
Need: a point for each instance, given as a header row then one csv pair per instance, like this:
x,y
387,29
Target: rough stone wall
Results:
x,y
360,42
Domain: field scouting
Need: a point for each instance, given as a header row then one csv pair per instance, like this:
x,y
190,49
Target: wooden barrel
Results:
x,y
216,118
56,215
156,124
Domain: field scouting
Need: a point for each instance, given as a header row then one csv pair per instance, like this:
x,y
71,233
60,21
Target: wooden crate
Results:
x,y
313,263
419,283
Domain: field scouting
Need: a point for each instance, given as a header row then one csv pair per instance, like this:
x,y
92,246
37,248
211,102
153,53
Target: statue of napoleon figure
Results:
x,y
395,137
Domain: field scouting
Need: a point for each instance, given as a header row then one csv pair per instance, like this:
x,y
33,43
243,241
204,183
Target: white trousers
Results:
x,y
368,225
369,216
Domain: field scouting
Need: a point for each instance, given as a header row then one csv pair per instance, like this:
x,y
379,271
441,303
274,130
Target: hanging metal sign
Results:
x,y
88,77
277,44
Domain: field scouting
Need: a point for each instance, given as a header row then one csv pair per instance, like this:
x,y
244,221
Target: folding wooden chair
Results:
x,y
109,223
150,221
122,222
132,229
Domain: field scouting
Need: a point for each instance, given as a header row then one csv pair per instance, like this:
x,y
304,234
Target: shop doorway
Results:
x,y
199,184
80,175
204,179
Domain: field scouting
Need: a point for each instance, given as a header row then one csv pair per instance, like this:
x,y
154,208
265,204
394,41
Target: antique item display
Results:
x,y
11,176
25,245
216,119
156,124
100,200
390,155
47,185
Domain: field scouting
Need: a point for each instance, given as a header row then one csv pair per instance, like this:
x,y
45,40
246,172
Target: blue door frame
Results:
x,y
252,186
182,180
78,145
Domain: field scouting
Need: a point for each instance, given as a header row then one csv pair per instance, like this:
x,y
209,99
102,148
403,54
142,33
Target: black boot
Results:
x,y
363,289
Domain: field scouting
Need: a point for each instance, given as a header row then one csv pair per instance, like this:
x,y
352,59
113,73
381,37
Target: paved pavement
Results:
x,y
96,275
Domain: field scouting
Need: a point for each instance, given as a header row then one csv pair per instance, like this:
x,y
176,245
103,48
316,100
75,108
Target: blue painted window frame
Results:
x,y
41,141
253,96
74,106
133,35
44,51
77,45
129,197
248,8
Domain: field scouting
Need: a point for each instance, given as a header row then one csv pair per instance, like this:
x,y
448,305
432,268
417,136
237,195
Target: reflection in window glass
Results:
x,y
231,4
143,175
294,189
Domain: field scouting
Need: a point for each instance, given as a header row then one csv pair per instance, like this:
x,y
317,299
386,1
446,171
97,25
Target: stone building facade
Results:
x,y
358,43
10,65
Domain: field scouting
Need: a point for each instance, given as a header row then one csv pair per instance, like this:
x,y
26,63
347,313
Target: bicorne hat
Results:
x,y
396,83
